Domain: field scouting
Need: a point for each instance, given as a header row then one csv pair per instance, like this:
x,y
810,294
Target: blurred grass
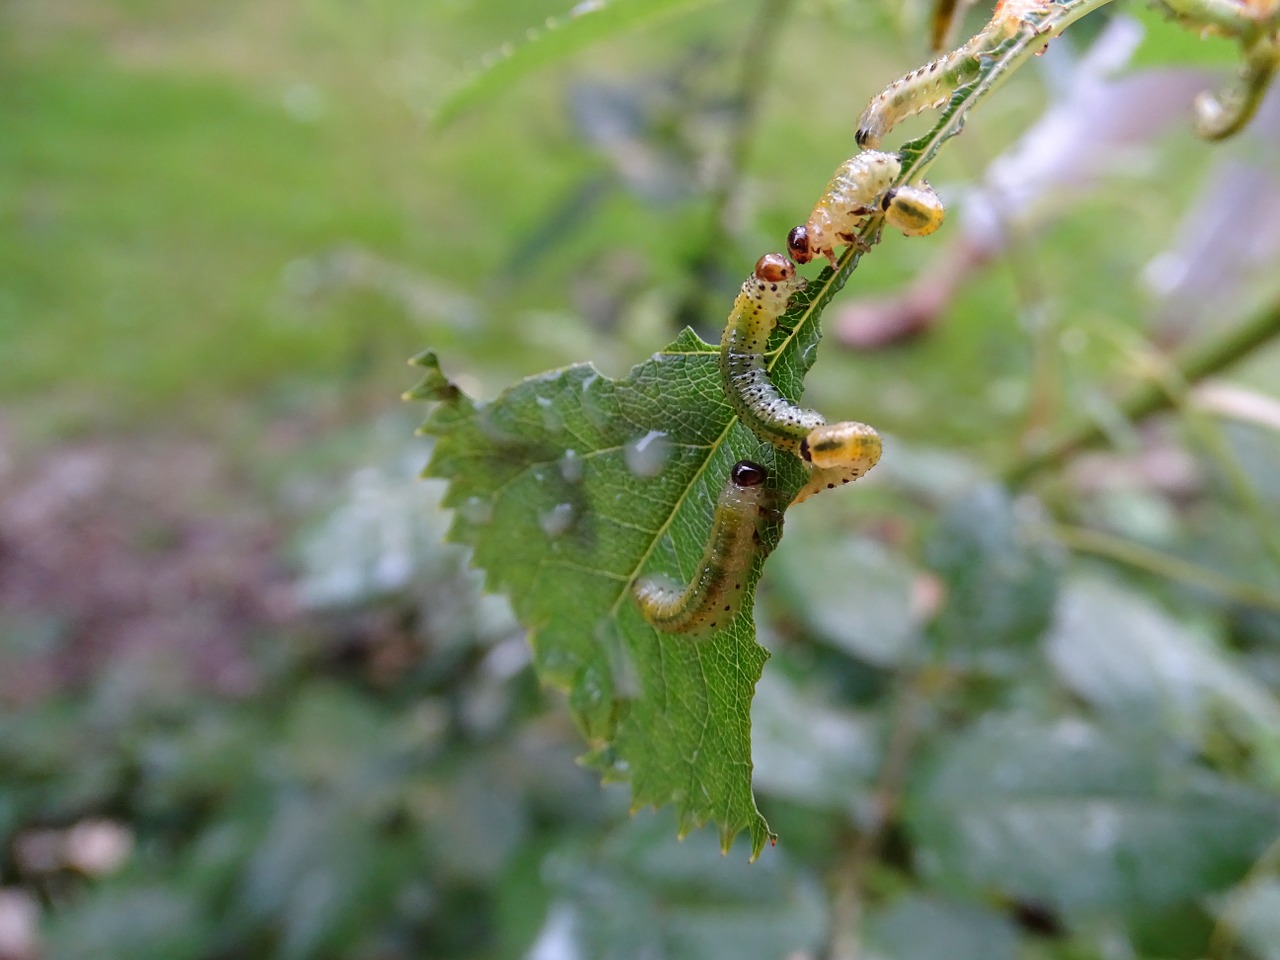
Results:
x,y
170,172
163,168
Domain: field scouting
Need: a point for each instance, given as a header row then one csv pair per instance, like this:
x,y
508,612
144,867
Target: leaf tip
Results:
x,y
434,385
727,833
761,835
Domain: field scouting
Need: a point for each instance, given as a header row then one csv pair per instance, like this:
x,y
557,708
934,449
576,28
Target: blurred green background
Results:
x,y
250,705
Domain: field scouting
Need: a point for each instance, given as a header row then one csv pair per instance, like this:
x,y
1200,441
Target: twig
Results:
x,y
1162,564
1153,397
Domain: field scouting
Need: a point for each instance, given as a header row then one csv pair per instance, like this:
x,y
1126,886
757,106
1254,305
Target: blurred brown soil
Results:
x,y
132,550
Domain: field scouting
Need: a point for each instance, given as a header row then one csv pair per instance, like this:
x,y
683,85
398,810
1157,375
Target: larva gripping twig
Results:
x,y
861,186
837,452
932,86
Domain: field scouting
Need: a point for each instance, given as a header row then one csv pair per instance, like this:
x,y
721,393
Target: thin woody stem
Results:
x,y
1152,397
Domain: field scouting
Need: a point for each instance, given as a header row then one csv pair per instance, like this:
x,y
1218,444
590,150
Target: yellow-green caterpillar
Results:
x,y
713,596
838,452
931,86
860,186
924,88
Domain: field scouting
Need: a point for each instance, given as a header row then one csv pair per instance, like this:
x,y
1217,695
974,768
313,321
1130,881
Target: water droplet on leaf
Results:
x,y
648,456
476,510
551,418
571,467
556,521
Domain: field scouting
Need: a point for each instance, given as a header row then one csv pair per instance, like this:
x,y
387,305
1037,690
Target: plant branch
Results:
x,y
1153,397
1136,555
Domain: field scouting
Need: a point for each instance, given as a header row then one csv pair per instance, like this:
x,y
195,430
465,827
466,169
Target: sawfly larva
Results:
x,y
860,186
757,402
840,453
837,452
713,596
925,88
931,86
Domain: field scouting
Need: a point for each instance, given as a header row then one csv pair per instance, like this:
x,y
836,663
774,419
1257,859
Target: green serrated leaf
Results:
x,y
1080,818
571,484
587,22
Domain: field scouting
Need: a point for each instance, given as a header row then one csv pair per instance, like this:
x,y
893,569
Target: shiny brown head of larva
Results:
x,y
775,268
746,473
798,244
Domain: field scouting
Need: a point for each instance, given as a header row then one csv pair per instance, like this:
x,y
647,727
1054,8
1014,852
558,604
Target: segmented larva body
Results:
x,y
712,598
931,86
838,452
925,88
861,186
757,402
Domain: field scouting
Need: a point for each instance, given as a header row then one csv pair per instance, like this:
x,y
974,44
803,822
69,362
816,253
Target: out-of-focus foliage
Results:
x,y
977,736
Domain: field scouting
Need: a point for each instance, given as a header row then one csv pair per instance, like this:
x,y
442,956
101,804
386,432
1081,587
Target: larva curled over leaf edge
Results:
x,y
837,452
710,601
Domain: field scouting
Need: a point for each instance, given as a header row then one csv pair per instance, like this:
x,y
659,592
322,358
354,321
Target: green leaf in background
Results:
x,y
146,923
1001,576
570,485
1164,44
642,894
1119,651
1079,818
853,593
915,927
812,751
1250,916
587,22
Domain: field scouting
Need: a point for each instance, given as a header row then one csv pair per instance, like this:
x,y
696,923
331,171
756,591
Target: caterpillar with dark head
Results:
x,y
925,88
931,86
861,186
837,452
713,596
